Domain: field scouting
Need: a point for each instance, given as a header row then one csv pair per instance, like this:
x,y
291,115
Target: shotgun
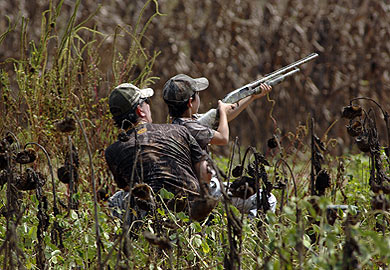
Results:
x,y
210,118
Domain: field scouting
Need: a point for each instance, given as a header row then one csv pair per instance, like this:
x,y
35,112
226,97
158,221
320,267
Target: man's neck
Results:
x,y
187,114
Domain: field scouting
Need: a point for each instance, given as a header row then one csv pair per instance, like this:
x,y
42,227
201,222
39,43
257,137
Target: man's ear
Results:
x,y
189,104
139,111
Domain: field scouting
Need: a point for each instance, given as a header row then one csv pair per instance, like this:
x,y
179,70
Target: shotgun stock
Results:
x,y
210,118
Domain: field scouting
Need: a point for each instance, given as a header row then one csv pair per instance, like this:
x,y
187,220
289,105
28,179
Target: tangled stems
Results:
x,y
55,209
385,115
281,160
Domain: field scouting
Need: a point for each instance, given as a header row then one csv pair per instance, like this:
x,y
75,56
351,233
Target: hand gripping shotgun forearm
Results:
x,y
210,118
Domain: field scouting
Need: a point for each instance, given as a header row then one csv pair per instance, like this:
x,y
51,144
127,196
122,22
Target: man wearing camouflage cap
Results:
x,y
164,156
181,94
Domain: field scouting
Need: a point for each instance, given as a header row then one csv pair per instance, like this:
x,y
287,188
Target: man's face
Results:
x,y
146,109
196,103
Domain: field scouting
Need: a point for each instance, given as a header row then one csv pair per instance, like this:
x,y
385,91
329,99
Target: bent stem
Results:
x,y
55,209
281,160
98,241
15,138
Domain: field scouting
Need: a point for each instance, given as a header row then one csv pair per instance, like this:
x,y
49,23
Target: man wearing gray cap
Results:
x,y
181,94
160,155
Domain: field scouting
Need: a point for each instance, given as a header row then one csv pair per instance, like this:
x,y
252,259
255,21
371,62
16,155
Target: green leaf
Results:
x,y
165,194
196,226
205,247
161,211
190,256
197,241
73,214
306,241
54,260
55,252
33,233
183,217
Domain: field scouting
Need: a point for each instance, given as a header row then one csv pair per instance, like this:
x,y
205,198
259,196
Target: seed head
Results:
x,y
66,125
272,143
26,156
352,111
355,129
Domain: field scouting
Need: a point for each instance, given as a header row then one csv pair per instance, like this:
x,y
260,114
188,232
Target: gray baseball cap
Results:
x,y
125,97
181,87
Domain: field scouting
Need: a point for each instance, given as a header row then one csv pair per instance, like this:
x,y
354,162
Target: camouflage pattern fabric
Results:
x,y
201,133
166,156
203,136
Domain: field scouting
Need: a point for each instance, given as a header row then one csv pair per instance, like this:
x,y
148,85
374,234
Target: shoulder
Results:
x,y
124,140
171,130
111,151
179,120
189,123
165,127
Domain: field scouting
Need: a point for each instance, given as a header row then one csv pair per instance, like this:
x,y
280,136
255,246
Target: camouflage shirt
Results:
x,y
201,133
167,154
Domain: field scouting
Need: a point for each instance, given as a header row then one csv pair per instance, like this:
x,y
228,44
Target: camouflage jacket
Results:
x,y
166,158
201,133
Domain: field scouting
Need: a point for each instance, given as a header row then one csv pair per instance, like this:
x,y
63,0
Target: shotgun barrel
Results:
x,y
210,118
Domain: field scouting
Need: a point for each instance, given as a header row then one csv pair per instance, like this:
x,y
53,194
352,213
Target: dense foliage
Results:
x,y
231,43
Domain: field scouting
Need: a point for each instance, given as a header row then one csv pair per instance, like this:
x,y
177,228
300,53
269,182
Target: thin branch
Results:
x,y
98,240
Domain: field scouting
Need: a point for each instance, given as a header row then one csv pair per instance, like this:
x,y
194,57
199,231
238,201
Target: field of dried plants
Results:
x,y
320,139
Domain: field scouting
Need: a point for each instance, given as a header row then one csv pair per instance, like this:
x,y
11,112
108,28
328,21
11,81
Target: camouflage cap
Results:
x,y
126,97
181,87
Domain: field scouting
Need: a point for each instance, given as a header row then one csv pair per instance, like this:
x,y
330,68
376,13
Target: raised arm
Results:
x,y
243,103
221,135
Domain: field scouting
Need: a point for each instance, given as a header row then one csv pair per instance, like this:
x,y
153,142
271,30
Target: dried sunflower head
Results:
x,y
355,129
362,143
64,174
161,242
237,171
322,182
243,187
142,191
260,159
66,125
272,143
5,143
352,111
26,156
280,184
29,180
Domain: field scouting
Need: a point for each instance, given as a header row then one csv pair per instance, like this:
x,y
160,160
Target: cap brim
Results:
x,y
146,92
201,84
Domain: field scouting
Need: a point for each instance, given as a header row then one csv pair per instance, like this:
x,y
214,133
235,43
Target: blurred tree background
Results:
x,y
233,42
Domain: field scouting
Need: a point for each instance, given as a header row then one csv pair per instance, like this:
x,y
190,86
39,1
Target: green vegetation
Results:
x,y
299,236
69,226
